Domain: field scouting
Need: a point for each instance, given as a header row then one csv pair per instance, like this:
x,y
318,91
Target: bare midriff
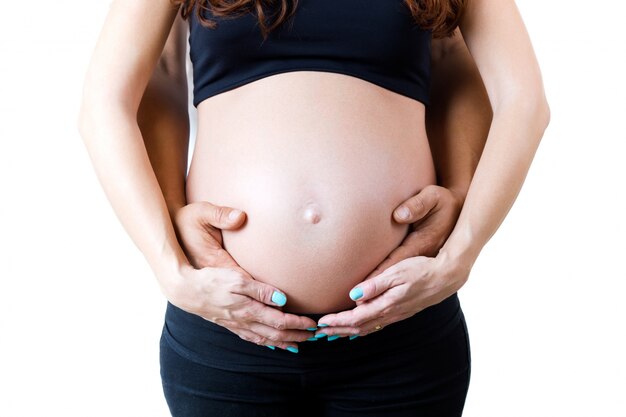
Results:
x,y
318,161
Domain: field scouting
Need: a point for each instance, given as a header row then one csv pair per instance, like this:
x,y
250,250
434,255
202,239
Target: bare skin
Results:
x,y
457,121
124,59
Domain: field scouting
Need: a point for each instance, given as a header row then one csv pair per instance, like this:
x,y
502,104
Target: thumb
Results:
x,y
371,288
418,206
221,217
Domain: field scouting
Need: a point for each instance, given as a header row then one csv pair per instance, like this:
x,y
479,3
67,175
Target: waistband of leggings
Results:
x,y
207,343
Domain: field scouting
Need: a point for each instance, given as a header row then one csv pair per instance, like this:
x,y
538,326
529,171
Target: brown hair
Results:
x,y
440,16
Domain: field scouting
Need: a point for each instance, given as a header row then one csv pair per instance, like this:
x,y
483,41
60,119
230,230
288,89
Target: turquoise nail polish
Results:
x,y
354,336
356,293
333,337
323,325
312,329
312,339
292,349
271,347
279,298
320,335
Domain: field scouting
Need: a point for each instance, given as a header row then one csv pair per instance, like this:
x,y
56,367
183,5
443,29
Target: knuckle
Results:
x,y
219,214
432,189
230,315
259,340
275,335
254,338
387,310
245,337
247,315
418,205
279,325
237,283
376,286
356,322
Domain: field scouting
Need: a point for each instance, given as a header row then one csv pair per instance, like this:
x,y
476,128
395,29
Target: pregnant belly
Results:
x,y
318,196
317,222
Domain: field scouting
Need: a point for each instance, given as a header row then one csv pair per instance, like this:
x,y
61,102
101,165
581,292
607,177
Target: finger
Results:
x,y
373,287
221,217
255,338
407,249
259,291
350,319
276,319
211,257
270,296
377,324
280,336
418,206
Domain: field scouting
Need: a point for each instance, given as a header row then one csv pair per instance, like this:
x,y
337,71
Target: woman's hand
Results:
x,y
399,292
231,298
432,213
220,291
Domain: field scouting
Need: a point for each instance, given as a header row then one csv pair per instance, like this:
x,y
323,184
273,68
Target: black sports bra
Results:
x,y
375,40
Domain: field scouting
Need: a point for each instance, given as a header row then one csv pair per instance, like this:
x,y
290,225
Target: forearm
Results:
x,y
459,116
163,118
515,133
115,146
164,125
500,45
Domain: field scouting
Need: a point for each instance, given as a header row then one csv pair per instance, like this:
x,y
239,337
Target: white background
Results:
x,y
81,313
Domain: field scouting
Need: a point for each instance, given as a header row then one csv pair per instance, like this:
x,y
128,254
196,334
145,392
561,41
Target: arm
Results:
x,y
123,61
498,41
458,118
497,38
457,123
111,134
163,120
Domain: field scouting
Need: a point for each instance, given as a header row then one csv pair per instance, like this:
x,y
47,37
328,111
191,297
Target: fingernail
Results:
x,y
403,212
292,349
354,336
271,347
312,329
234,214
356,293
323,325
320,335
312,339
333,337
279,298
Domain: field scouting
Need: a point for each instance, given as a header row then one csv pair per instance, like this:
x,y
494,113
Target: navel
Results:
x,y
312,213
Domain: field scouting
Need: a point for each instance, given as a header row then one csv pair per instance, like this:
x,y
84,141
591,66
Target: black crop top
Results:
x,y
375,40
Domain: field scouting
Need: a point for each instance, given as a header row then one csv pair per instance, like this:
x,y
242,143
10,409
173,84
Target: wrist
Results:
x,y
459,192
169,269
459,252
455,270
174,206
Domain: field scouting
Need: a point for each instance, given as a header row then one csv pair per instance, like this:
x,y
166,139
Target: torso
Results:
x,y
318,161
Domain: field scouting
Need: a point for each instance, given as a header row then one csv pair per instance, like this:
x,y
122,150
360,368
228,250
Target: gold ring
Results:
x,y
378,327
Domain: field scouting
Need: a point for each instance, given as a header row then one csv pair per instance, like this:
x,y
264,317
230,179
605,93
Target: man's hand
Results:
x,y
199,225
432,213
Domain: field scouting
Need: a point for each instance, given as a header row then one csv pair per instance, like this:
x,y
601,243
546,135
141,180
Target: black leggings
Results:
x,y
417,367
